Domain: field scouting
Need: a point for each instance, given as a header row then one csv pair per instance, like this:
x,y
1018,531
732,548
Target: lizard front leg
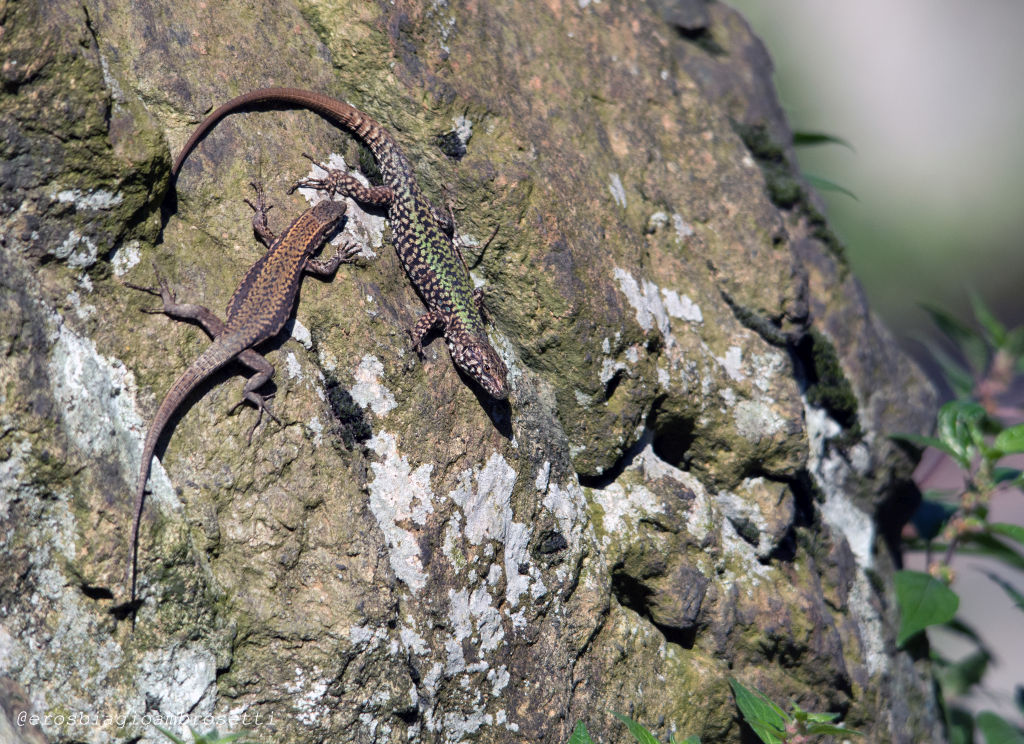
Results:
x,y
260,225
339,182
424,325
324,267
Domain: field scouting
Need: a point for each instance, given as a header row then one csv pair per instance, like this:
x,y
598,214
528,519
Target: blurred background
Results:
x,y
928,94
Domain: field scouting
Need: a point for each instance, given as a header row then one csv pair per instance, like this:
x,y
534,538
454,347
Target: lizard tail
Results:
x,y
216,356
349,117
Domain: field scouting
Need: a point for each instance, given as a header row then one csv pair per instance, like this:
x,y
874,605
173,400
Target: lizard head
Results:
x,y
478,359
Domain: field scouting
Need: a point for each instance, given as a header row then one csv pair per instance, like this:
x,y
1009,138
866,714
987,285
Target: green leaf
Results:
x,y
965,338
923,601
803,716
961,428
640,733
996,730
995,330
985,543
959,677
1014,345
955,372
580,735
805,139
830,729
1004,475
1010,441
823,184
959,726
1010,589
822,717
922,441
766,718
1013,531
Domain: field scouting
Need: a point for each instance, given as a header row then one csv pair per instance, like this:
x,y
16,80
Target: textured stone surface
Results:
x,y
692,480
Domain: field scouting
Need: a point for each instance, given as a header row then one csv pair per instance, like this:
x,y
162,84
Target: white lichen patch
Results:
x,y
368,391
543,477
840,513
293,366
412,640
308,697
485,497
645,299
475,610
664,378
609,368
487,503
96,397
359,635
741,559
618,192
623,506
82,310
569,505
700,515
756,420
732,363
399,495
126,258
682,228
80,251
831,471
766,368
681,306
457,726
296,330
361,227
863,606
180,679
95,200
463,128
499,679
317,430
657,221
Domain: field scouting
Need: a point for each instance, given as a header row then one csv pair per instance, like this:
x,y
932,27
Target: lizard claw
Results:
x,y
163,292
349,252
260,401
260,208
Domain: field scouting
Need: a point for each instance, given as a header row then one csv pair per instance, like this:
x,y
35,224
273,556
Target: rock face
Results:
x,y
692,480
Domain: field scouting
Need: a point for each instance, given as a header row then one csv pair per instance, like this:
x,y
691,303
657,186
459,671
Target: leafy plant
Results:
x,y
812,139
639,732
773,725
970,430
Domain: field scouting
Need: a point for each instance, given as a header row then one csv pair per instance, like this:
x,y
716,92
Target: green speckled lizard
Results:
x,y
257,311
422,238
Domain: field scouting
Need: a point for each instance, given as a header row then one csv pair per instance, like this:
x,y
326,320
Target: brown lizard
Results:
x,y
422,236
257,311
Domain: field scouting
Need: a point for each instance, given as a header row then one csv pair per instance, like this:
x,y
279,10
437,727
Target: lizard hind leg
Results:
x,y
264,371
209,322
